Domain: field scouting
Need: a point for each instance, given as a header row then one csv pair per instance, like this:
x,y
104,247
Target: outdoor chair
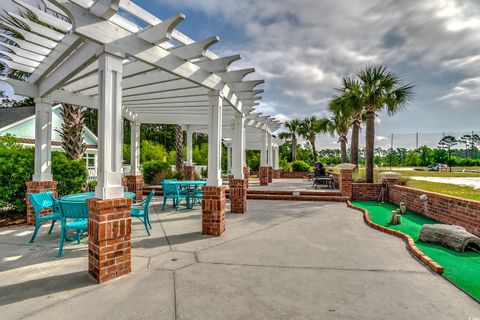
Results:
x,y
140,210
196,196
172,191
74,217
41,201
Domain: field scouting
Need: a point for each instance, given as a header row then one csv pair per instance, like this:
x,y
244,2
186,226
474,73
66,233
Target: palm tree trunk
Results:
x,y
369,146
71,132
354,143
343,149
294,148
179,148
314,150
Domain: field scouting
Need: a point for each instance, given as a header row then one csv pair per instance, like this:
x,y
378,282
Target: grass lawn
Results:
x,y
462,268
445,188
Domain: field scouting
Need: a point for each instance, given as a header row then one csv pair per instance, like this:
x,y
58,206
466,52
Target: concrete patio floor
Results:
x,y
281,260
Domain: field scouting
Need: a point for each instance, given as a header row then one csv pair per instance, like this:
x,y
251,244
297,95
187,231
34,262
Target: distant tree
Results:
x,y
447,142
339,122
293,127
310,127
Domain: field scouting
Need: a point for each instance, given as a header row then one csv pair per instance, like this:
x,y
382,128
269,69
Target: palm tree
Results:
x,y
73,126
179,148
293,127
339,123
72,131
350,100
310,127
381,89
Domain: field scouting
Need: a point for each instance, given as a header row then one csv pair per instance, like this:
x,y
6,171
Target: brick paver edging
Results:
x,y
408,239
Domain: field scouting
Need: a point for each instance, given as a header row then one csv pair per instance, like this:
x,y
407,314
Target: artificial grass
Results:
x,y
461,268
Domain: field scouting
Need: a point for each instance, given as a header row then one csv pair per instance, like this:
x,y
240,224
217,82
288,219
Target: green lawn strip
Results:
x,y
463,269
446,188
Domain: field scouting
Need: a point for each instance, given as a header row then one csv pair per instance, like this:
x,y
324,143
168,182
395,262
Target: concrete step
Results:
x,y
332,198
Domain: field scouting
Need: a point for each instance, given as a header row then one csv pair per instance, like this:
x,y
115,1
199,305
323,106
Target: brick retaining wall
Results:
x,y
366,191
443,208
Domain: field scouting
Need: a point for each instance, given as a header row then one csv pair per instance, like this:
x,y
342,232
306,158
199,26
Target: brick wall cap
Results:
x,y
390,175
345,166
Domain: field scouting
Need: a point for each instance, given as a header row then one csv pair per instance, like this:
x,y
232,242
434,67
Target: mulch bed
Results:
x,y
8,219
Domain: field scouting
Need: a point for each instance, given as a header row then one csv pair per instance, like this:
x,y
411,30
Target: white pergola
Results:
x,y
116,57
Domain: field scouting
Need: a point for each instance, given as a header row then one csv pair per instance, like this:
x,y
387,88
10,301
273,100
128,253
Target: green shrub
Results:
x,y
71,175
300,166
286,166
16,169
155,171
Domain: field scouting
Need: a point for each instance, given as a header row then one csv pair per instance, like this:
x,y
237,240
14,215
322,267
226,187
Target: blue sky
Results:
x,y
302,48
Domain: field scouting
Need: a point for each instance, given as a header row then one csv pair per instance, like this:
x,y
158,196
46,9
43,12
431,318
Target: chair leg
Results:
x,y
164,202
37,226
51,226
146,227
148,219
62,239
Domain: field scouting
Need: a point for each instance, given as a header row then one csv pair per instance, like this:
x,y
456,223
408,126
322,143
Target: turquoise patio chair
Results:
x,y
140,210
74,217
41,201
196,196
172,191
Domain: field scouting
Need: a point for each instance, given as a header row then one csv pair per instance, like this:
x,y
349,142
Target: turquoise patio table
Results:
x,y
82,197
188,184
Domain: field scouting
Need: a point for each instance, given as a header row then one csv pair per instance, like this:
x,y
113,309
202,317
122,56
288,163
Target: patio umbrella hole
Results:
x,y
174,259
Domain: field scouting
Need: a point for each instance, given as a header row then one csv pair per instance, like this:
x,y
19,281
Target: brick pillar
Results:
x,y
238,195
270,174
345,182
246,174
345,179
109,230
390,179
38,187
263,176
189,172
213,210
230,178
135,185
124,182
277,173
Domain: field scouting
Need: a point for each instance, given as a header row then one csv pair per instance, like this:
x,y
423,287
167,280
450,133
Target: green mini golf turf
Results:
x,y
462,268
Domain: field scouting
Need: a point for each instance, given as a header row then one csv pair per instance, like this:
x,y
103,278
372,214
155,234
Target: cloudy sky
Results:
x,y
302,48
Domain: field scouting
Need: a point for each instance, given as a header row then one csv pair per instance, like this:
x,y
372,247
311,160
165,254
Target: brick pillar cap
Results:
x,y
390,175
345,166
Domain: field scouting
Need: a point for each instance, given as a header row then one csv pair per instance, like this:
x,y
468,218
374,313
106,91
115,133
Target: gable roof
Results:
x,y
9,116
21,124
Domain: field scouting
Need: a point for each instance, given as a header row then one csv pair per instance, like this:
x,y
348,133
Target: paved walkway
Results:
x,y
281,260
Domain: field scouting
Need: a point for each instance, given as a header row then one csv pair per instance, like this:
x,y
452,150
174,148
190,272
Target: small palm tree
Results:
x,y
293,127
339,123
310,127
350,100
381,89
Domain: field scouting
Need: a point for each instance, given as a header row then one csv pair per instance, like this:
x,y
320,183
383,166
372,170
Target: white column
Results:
x,y
276,162
214,139
109,124
263,149
189,147
238,149
270,150
229,157
135,148
43,140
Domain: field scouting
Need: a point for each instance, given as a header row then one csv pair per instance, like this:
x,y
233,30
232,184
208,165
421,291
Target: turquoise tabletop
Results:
x,y
82,197
189,182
